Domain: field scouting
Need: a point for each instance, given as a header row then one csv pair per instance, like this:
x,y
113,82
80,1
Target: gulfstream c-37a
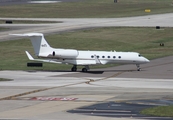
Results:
x,y
79,57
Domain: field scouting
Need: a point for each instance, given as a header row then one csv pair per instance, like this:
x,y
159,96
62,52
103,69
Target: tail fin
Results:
x,y
41,47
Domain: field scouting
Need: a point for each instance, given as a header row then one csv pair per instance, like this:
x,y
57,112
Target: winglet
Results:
x,y
29,56
97,60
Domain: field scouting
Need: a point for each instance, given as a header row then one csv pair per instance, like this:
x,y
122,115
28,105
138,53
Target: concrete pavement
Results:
x,y
122,83
162,20
29,95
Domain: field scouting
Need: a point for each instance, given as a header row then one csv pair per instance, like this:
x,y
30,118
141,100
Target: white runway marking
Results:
x,y
53,99
43,1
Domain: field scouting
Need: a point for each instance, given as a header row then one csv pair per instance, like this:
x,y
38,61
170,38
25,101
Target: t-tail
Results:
x,y
40,45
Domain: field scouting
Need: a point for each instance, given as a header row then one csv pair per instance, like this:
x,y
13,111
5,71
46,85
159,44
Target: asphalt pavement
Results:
x,y
128,109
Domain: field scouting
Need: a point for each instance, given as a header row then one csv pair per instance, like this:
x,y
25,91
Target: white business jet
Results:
x,y
78,57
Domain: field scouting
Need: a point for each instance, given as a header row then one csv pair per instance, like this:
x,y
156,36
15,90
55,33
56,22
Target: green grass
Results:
x,y
28,22
4,79
3,29
143,40
88,9
161,111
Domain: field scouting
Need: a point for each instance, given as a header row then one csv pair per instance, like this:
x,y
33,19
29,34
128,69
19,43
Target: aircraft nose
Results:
x,y
146,60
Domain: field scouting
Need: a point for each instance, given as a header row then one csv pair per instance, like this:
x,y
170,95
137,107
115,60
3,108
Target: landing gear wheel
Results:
x,y
74,69
138,67
84,70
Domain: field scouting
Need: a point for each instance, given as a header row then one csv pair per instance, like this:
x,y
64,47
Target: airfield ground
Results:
x,y
68,95
109,92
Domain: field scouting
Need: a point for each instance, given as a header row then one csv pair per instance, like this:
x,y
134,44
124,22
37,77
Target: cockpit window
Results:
x,y
139,55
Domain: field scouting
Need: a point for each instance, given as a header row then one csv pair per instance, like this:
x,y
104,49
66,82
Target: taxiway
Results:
x,y
60,95
68,24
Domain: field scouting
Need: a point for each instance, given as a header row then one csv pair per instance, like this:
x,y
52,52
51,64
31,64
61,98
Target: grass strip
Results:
x,y
88,9
3,29
143,40
28,22
161,111
5,79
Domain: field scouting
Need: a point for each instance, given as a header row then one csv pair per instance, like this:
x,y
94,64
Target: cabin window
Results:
x,y
92,56
139,55
114,57
119,57
108,56
97,56
103,56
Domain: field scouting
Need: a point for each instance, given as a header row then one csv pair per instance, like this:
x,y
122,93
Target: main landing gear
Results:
x,y
138,67
74,68
85,69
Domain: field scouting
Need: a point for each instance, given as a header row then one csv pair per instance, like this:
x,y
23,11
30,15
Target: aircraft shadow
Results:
x,y
89,72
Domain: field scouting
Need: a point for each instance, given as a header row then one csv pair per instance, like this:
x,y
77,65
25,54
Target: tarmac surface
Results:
x,y
119,109
115,93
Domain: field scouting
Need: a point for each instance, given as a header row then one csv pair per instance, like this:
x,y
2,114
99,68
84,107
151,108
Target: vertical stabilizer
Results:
x,y
39,43
41,47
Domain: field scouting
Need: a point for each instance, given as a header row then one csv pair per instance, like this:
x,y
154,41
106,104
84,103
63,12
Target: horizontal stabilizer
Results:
x,y
28,34
42,60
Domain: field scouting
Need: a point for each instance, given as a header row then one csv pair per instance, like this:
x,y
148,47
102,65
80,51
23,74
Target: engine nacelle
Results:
x,y
65,53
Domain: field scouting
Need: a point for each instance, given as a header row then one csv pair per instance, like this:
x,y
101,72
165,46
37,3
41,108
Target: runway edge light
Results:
x,y
147,10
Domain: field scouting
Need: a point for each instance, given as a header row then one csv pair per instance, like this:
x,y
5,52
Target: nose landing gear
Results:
x,y
138,67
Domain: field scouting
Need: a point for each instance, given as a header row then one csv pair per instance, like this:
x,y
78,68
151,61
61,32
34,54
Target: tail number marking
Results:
x,y
43,45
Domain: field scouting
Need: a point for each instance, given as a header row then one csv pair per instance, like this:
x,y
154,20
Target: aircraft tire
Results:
x,y
84,70
73,69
